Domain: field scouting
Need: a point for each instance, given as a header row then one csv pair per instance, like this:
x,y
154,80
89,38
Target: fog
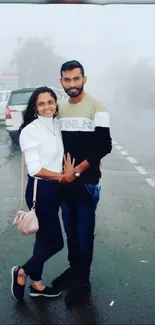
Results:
x,y
114,43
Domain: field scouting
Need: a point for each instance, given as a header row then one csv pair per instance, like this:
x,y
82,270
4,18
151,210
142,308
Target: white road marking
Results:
x,y
141,170
124,153
118,147
132,160
151,181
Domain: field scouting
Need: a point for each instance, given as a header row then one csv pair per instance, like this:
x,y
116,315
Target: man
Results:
x,y
86,136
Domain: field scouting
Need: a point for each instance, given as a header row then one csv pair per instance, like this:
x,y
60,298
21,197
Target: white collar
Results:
x,y
46,120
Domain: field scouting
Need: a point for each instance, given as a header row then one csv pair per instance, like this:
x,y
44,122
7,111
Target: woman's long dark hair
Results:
x,y
30,113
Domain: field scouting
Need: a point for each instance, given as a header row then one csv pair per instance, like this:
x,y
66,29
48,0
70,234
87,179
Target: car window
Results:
x,y
1,97
20,98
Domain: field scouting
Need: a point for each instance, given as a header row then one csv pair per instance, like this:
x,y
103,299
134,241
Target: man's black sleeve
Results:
x,y
102,142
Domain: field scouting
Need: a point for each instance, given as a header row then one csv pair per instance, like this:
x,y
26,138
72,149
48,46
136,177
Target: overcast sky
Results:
x,y
98,36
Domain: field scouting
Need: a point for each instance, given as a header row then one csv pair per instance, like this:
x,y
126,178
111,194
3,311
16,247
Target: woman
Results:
x,y
40,140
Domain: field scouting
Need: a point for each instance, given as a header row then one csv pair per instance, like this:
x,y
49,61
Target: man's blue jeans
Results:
x,y
79,203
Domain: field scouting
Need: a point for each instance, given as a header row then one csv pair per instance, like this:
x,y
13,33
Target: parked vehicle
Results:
x,y
4,96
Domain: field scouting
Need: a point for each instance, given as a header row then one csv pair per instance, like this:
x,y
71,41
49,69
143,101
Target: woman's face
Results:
x,y
46,105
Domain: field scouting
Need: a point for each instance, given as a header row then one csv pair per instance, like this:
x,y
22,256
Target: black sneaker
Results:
x,y
63,281
76,292
48,292
17,289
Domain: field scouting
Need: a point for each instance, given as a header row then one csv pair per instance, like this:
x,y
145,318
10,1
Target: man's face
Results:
x,y
73,82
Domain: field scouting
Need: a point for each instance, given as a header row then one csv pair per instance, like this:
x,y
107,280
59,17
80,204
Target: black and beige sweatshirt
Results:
x,y
86,134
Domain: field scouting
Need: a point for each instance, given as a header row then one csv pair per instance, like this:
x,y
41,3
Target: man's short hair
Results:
x,y
70,65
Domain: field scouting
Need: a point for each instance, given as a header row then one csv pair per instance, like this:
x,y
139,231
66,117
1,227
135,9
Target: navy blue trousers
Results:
x,y
49,239
78,203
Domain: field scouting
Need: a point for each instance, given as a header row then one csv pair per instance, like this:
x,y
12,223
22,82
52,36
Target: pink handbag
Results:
x,y
27,222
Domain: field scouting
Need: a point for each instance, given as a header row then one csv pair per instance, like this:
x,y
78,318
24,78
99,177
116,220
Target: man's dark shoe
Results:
x,y
64,280
87,286
77,291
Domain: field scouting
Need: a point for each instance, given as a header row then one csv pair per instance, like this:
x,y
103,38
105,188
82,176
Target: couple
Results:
x,y
77,129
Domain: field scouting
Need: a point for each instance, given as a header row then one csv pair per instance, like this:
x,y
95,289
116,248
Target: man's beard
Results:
x,y
76,93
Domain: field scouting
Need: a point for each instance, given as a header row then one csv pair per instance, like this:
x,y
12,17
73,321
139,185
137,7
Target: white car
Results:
x,y
4,96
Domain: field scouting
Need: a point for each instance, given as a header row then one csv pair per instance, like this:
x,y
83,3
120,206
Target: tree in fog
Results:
x,y
141,84
133,86
36,63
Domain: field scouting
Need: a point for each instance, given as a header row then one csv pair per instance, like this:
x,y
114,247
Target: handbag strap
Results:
x,y
22,185
22,181
35,192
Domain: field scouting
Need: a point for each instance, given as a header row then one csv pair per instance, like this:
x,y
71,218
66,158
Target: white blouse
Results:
x,y
41,142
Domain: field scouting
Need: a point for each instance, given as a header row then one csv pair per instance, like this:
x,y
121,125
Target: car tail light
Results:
x,y
8,112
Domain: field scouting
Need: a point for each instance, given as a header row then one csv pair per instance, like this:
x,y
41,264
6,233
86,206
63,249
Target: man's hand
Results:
x,y
68,164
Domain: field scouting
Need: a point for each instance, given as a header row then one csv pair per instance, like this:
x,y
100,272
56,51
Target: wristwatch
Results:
x,y
76,173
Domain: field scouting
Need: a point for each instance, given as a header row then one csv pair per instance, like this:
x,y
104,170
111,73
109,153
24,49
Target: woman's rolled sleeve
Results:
x,y
29,144
32,161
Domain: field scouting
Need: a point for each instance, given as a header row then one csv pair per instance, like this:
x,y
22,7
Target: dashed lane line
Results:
x,y
151,181
124,153
141,170
133,161
117,146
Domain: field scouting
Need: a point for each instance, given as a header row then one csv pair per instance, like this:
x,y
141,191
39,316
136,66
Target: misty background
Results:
x,y
115,44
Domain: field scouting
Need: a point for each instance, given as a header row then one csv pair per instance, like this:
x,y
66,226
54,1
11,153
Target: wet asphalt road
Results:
x,y
123,269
